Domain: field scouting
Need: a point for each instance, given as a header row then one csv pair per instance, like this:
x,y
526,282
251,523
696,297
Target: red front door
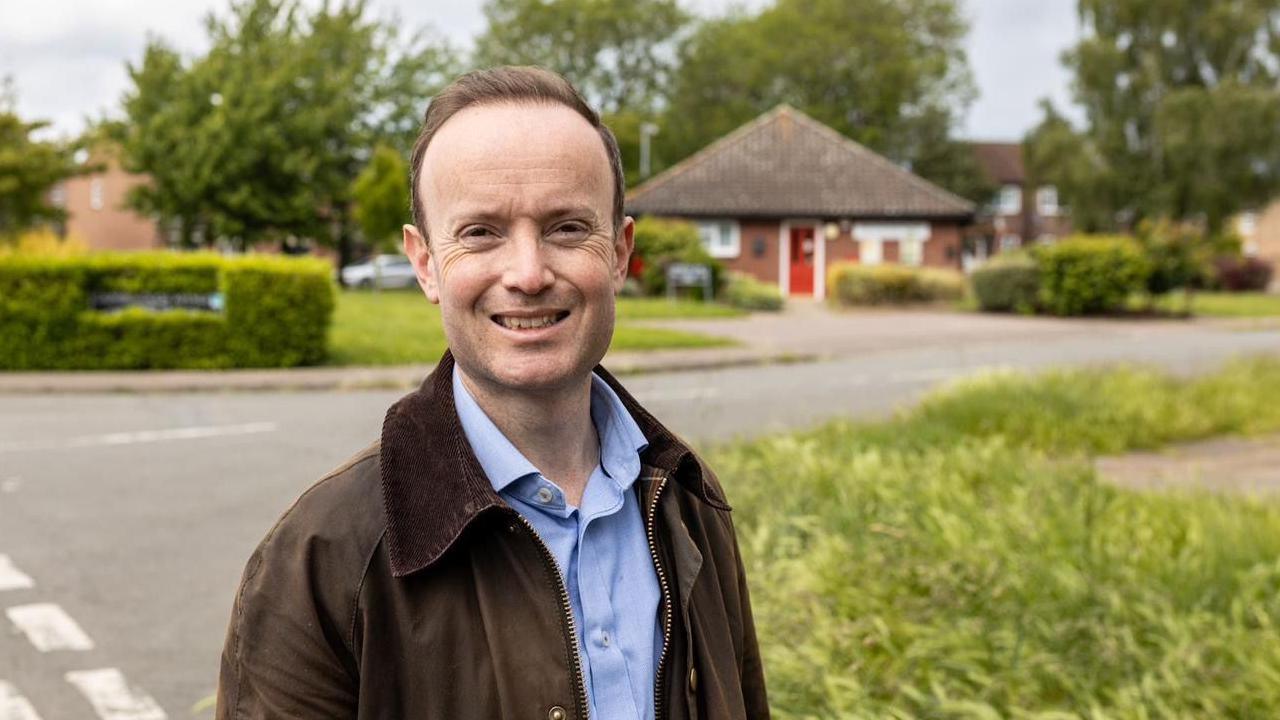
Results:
x,y
802,247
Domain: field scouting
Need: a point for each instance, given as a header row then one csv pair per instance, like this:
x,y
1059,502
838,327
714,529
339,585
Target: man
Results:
x,y
525,541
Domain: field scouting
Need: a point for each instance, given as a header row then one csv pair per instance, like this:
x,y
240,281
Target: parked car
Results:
x,y
382,271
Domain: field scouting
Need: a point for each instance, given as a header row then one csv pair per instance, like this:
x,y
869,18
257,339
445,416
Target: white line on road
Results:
x,y
49,627
11,578
141,436
13,706
112,698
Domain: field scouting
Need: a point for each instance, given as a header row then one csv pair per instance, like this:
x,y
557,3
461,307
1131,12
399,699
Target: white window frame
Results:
x,y
1047,201
911,252
95,194
721,237
1009,201
872,235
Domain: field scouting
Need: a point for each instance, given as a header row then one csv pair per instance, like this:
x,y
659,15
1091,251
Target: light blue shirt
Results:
x,y
600,547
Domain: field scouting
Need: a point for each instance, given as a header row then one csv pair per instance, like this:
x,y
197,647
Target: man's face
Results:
x,y
523,258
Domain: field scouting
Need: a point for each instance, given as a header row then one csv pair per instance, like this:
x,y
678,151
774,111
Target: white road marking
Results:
x,y
141,436
112,698
49,627
11,578
13,706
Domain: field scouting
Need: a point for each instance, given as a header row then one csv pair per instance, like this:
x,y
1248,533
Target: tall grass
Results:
x,y
964,561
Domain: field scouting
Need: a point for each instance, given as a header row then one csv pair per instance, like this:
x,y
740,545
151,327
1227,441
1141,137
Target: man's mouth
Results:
x,y
530,322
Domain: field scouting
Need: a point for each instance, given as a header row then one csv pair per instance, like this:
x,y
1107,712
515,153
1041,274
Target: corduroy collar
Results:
x,y
433,486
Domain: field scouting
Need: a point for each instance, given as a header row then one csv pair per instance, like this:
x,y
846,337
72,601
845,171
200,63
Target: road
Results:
x,y
125,520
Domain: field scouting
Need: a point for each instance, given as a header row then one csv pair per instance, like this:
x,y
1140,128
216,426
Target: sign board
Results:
x,y
116,301
689,275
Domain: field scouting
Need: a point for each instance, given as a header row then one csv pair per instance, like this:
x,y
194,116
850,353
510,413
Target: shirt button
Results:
x,y
545,495
604,639
693,679
557,713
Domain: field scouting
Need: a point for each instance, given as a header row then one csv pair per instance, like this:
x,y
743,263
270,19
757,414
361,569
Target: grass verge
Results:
x,y
400,328
1219,304
964,561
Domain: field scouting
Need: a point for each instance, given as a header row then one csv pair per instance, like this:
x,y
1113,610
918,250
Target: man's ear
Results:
x,y
418,250
623,245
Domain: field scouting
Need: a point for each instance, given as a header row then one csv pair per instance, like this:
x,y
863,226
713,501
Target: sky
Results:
x,y
67,57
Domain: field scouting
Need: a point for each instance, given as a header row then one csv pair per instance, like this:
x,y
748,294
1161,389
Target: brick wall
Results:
x,y
757,236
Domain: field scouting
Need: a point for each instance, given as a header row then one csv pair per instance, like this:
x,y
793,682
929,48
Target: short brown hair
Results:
x,y
508,84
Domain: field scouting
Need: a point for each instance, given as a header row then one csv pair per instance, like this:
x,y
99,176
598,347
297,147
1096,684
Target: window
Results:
x,y
95,194
721,238
58,195
870,252
912,252
1047,201
1010,200
1010,242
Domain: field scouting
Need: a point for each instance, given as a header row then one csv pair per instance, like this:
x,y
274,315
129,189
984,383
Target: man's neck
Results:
x,y
553,430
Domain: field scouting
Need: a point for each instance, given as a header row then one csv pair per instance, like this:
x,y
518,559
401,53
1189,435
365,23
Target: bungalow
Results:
x,y
784,195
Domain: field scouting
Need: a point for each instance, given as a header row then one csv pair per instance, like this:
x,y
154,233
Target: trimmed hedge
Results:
x,y
1086,275
854,284
277,312
1243,274
1010,282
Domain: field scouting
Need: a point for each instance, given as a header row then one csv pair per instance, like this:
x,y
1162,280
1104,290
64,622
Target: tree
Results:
x,y
29,169
616,52
381,194
261,139
891,74
1181,106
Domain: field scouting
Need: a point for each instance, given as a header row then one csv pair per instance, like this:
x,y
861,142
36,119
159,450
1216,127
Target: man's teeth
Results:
x,y
516,323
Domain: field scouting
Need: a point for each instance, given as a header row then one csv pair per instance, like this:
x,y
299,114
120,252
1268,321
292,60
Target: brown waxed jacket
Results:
x,y
401,587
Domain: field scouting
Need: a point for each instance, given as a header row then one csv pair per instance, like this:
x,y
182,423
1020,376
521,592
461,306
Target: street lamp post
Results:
x,y
647,130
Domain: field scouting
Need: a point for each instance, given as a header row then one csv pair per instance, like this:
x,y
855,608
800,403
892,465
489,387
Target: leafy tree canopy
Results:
x,y
1181,106
891,74
29,169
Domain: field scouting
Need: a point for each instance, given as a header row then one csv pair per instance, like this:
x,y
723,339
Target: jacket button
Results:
x,y
557,713
693,680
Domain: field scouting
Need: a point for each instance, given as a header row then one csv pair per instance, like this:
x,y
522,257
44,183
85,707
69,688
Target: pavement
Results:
x,y
806,331
1234,465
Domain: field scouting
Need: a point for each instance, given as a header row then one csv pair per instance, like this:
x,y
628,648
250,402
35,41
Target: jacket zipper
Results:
x,y
575,662
658,705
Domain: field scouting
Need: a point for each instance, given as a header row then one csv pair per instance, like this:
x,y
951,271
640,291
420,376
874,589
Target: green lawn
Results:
x,y
965,561
1219,304
401,328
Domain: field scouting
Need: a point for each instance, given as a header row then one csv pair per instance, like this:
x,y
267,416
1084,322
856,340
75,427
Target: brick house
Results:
x,y
1019,214
1260,231
96,212
784,196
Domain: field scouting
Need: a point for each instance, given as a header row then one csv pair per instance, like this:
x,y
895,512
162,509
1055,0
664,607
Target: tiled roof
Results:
x,y
786,164
1002,162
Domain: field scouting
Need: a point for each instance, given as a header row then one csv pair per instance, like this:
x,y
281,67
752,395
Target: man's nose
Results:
x,y
527,269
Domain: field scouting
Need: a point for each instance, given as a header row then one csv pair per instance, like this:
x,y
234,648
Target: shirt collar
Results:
x,y
621,440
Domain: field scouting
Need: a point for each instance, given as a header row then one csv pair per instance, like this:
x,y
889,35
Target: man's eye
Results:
x,y
476,232
570,229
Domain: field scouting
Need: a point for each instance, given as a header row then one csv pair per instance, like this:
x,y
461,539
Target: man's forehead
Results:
x,y
516,134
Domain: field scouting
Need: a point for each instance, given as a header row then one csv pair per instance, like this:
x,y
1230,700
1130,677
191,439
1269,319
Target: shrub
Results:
x,y
744,291
1010,282
1089,274
1243,274
43,242
277,312
1177,255
854,284
661,242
